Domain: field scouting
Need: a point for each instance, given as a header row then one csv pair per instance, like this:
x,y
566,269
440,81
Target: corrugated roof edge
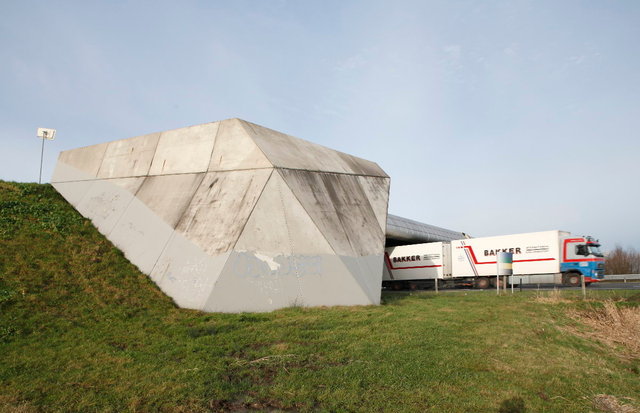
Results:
x,y
405,229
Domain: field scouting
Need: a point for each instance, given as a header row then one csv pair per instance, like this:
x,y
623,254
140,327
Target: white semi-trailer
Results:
x,y
540,257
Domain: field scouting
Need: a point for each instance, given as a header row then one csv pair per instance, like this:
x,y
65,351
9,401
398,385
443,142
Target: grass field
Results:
x,y
83,330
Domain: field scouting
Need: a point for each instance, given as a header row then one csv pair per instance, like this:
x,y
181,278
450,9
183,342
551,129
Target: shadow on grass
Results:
x,y
513,405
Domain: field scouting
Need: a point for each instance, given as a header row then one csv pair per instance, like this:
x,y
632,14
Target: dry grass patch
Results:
x,y
611,404
612,325
550,297
10,404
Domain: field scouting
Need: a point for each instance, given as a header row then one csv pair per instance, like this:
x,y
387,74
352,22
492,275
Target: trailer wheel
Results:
x,y
482,283
572,279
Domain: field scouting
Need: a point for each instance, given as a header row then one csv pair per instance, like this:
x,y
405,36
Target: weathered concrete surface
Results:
x,y
285,151
168,196
376,191
221,207
85,163
106,201
231,216
235,149
280,225
141,235
185,150
73,191
129,157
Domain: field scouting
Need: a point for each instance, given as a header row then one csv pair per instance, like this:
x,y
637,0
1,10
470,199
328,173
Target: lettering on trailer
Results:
x,y
471,256
537,249
410,258
495,252
407,258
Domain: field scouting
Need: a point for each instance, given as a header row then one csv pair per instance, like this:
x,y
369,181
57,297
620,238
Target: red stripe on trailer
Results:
x,y
421,266
473,267
388,262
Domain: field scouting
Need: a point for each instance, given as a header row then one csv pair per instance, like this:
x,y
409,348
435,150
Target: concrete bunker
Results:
x,y
230,216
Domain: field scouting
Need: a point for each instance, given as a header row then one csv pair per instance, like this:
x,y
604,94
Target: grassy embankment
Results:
x,y
81,329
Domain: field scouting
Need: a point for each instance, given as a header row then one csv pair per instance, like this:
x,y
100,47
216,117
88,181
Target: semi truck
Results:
x,y
548,257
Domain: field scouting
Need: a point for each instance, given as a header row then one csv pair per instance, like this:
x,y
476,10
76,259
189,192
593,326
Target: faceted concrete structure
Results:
x,y
230,216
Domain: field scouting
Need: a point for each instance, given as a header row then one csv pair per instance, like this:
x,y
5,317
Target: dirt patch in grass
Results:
x,y
612,325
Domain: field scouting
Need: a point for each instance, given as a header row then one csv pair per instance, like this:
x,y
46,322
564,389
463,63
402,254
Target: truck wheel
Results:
x,y
572,279
482,283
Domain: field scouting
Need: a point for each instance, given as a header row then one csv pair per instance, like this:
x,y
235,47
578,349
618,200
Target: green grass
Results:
x,y
83,330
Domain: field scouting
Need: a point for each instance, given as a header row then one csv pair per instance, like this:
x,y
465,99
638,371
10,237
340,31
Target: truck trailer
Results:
x,y
548,257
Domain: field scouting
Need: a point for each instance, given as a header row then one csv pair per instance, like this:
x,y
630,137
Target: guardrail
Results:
x,y
622,277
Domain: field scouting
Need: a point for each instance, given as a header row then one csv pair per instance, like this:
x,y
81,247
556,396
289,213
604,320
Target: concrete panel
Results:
x,y
141,235
234,149
67,173
337,286
361,166
186,273
248,284
129,157
286,151
87,159
106,201
320,280
221,207
278,223
367,272
377,192
309,188
74,191
355,212
185,150
131,185
169,195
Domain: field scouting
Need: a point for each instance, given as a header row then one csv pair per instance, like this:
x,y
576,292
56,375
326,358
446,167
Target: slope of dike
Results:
x,y
81,329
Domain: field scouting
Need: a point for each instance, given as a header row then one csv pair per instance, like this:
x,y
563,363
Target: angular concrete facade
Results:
x,y
230,216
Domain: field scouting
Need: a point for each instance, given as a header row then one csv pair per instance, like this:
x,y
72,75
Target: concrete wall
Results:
x,y
230,216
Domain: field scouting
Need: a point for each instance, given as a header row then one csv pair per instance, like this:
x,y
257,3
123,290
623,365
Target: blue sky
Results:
x,y
491,117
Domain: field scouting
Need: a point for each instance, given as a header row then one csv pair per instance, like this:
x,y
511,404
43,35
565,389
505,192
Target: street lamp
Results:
x,y
44,133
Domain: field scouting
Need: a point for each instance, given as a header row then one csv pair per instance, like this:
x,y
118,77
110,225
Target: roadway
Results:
x,y
607,285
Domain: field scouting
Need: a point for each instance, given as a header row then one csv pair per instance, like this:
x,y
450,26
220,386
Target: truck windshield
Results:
x,y
595,250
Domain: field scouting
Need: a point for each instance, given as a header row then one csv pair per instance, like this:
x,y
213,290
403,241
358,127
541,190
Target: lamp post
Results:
x,y
44,133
